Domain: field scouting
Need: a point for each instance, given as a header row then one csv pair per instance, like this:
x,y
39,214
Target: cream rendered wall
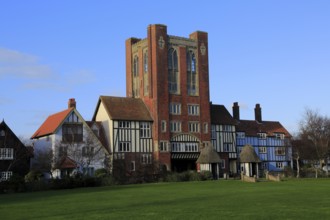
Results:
x,y
107,124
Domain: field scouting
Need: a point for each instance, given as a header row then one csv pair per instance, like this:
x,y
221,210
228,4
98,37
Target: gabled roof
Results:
x,y
67,163
101,136
220,115
52,123
252,127
123,108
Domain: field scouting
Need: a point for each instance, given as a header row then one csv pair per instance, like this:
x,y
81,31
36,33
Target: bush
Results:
x,y
33,176
206,175
101,173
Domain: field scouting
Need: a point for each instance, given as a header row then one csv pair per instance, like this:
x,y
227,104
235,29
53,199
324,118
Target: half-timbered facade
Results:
x,y
223,137
269,139
72,144
129,133
14,155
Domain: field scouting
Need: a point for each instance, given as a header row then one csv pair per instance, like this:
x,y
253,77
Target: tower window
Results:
x,y
192,85
173,78
145,74
136,77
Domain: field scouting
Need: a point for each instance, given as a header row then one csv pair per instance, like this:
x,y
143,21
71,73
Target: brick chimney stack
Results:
x,y
236,111
257,113
72,103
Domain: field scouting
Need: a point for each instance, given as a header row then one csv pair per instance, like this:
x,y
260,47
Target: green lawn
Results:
x,y
224,199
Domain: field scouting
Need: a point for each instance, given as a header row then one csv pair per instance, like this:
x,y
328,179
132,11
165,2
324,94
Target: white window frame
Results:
x,y
240,134
279,165
223,163
5,175
6,153
175,108
262,150
193,109
175,126
213,132
279,136
163,146
227,127
124,146
163,126
124,124
262,135
146,159
132,165
145,130
194,127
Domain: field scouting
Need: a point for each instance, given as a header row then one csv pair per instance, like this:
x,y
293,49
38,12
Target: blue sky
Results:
x,y
275,52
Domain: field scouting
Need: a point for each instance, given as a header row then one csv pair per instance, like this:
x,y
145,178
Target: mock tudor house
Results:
x,y
223,137
70,143
269,139
14,155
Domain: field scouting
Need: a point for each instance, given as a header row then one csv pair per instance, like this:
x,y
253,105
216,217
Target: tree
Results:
x,y
314,131
84,153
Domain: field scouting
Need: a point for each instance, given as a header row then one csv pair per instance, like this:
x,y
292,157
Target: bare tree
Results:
x,y
314,131
83,153
43,160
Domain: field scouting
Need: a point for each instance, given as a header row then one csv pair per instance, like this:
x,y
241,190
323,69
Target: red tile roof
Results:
x,y
252,127
52,123
123,108
67,163
220,115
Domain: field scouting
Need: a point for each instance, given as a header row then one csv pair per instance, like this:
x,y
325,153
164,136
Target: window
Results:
x,y
279,136
146,159
279,165
145,74
136,76
124,124
264,166
175,126
227,147
145,131
223,164
227,127
173,73
184,147
192,87
175,108
213,132
262,135
124,146
206,128
193,127
72,132
193,109
262,150
280,151
119,156
240,134
163,146
5,175
88,151
6,153
132,165
2,133
163,126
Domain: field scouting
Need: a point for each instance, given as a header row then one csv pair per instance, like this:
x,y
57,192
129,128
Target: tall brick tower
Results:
x,y
170,74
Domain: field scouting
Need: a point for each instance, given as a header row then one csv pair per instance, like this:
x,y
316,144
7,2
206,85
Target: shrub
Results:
x,y
101,173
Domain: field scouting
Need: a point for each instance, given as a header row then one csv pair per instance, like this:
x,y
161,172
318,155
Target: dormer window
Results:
x,y
279,136
240,134
2,133
262,135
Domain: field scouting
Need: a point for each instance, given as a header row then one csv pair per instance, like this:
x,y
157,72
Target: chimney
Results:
x,y
72,103
236,111
257,113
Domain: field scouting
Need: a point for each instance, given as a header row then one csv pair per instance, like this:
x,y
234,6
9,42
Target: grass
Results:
x,y
224,199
